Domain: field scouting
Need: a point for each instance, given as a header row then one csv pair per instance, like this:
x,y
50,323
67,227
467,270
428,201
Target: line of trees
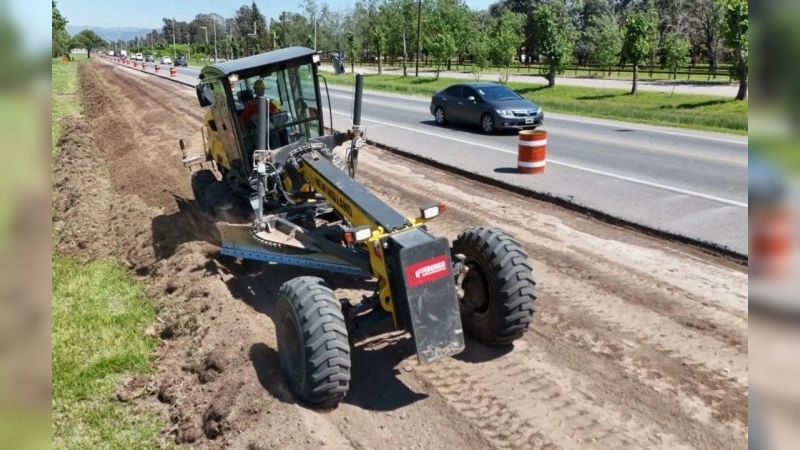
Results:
x,y
63,43
553,33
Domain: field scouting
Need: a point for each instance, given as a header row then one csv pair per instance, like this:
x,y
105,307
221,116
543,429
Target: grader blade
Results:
x,y
239,241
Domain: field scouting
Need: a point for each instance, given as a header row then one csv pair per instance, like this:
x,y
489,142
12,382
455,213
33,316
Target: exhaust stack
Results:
x,y
358,131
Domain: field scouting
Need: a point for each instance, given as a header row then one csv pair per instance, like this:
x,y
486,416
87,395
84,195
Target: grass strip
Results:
x,y
655,108
99,317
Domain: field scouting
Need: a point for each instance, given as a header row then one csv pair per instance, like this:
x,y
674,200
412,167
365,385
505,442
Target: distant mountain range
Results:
x,y
110,34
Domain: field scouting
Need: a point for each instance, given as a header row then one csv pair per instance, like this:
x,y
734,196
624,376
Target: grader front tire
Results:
x,y
201,181
312,342
499,300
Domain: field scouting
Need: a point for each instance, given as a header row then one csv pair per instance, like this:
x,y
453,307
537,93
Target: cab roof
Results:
x,y
245,67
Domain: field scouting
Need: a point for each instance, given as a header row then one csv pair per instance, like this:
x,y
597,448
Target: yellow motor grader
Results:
x,y
279,194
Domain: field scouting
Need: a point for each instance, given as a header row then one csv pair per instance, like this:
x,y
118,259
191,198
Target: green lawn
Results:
x,y
699,74
99,317
657,108
65,100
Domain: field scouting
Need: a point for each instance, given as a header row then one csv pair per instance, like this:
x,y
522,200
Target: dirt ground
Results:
x,y
637,342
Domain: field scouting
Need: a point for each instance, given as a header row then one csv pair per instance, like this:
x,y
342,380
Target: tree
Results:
x,y
379,40
88,40
590,16
353,48
60,36
400,17
554,38
640,28
735,32
709,30
252,27
676,49
608,42
480,48
506,39
525,8
441,46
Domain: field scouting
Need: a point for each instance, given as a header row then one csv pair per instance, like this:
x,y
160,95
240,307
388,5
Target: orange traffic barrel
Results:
x,y
770,242
158,68
144,66
135,65
173,72
532,153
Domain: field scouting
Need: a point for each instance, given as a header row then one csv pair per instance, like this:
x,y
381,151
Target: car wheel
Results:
x,y
441,118
487,123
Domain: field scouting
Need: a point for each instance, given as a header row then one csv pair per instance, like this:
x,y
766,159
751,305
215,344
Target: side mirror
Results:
x,y
204,96
338,65
471,98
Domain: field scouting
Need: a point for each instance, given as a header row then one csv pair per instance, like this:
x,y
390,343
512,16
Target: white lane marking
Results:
x,y
592,122
571,166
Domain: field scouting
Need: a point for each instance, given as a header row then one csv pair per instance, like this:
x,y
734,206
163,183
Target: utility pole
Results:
x,y
255,36
213,6
419,20
174,55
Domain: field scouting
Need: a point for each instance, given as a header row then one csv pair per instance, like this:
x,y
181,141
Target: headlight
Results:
x,y
538,110
505,113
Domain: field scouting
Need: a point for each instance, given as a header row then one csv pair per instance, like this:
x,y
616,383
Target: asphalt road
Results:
x,y
684,183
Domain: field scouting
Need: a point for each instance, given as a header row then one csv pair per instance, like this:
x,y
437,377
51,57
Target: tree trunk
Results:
x,y
635,78
551,76
742,72
380,66
405,56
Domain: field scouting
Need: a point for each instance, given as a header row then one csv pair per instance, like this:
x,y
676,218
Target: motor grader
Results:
x,y
280,194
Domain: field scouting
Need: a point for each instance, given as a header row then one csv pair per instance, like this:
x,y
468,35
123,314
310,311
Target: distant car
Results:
x,y
166,60
489,105
150,58
181,61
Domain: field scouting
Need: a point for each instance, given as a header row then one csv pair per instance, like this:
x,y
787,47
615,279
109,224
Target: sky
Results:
x,y
149,13
29,19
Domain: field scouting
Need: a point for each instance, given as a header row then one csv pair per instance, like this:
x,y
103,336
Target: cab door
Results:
x,y
226,124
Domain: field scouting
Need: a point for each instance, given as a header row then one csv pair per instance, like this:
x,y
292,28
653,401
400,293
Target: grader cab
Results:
x,y
280,194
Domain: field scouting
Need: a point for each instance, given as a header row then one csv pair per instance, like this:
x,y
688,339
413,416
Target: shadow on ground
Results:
x,y
374,384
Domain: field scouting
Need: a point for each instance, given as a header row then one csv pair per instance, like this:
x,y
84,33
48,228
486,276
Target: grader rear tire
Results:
x,y
499,300
312,342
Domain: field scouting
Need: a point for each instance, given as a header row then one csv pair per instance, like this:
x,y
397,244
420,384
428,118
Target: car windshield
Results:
x,y
498,93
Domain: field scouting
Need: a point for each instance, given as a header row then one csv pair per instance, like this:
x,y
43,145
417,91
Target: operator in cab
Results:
x,y
248,120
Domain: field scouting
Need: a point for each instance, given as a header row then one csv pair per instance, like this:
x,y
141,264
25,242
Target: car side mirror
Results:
x,y
471,98
338,65
204,96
